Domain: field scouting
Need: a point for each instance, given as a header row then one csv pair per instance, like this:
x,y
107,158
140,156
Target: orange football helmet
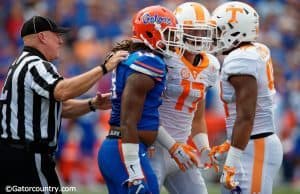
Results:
x,y
156,26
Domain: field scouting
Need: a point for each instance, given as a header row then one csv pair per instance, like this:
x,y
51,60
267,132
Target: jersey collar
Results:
x,y
34,51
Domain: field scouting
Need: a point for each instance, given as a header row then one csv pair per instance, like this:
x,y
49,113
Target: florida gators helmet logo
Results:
x,y
147,18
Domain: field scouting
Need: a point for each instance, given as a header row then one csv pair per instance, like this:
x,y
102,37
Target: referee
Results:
x,y
34,98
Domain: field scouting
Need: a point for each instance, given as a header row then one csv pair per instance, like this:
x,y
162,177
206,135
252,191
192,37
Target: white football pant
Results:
x,y
260,163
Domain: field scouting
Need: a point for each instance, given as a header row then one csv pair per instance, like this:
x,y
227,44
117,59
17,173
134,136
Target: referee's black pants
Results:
x,y
22,168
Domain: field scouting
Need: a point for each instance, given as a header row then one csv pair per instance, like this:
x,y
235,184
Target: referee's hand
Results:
x,y
102,101
113,59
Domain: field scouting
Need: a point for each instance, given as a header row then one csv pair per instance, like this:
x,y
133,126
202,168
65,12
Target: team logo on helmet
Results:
x,y
147,18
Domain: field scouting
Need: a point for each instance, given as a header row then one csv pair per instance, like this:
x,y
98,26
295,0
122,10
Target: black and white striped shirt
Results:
x,y
29,111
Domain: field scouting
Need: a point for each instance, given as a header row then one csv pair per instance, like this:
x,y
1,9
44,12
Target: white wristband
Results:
x,y
132,161
234,156
164,138
201,141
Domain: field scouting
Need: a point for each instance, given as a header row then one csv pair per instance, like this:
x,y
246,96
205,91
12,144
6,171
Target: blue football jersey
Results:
x,y
148,64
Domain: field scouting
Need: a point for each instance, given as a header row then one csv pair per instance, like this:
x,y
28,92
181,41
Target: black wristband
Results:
x,y
92,108
104,70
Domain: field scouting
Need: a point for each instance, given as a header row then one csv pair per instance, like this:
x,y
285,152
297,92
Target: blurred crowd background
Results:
x,y
98,24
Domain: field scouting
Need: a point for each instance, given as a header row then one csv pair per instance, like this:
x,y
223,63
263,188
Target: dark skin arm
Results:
x,y
133,98
245,87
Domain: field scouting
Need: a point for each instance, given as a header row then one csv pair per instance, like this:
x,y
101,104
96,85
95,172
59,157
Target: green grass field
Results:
x,y
212,189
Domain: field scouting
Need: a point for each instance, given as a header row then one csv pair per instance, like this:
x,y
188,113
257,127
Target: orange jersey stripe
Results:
x,y
258,163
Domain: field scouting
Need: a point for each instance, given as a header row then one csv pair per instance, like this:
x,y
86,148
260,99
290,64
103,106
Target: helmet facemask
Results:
x,y
171,43
198,37
222,42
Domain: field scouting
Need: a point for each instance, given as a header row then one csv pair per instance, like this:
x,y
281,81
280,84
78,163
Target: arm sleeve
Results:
x,y
44,78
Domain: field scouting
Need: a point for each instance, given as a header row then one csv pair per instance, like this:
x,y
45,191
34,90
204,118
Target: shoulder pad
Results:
x,y
213,63
249,53
147,63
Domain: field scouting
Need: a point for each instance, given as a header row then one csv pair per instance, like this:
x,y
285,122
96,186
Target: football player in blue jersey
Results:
x,y
137,85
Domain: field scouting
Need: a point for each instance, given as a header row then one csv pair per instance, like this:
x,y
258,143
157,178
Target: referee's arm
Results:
x,y
75,107
70,88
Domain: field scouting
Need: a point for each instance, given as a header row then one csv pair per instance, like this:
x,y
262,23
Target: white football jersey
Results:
x,y
254,60
186,85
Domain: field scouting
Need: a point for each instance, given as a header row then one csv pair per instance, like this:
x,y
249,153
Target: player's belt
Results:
x,y
261,135
114,134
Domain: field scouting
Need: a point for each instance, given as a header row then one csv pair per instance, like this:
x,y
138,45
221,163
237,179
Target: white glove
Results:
x,y
219,153
206,161
184,155
228,178
202,144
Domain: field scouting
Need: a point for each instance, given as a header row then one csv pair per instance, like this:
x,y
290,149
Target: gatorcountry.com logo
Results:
x,y
147,18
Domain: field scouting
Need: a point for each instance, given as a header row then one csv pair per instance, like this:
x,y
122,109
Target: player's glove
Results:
x,y
207,161
184,155
138,186
219,153
202,144
228,178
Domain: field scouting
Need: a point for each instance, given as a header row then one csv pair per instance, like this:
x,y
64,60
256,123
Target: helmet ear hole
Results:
x,y
149,34
236,42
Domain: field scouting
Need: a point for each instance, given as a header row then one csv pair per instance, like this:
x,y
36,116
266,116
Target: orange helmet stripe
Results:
x,y
199,12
